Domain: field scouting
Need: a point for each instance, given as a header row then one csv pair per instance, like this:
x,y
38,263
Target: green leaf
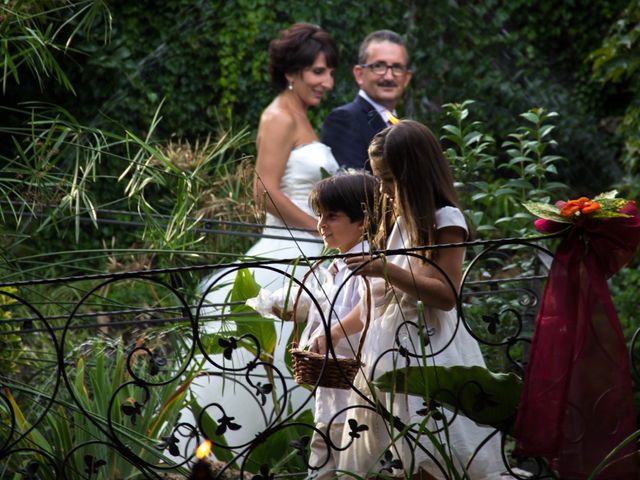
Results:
x,y
610,458
23,424
604,214
244,288
506,191
472,137
551,186
479,196
530,116
551,159
607,195
544,210
502,220
455,131
479,394
518,160
531,169
546,129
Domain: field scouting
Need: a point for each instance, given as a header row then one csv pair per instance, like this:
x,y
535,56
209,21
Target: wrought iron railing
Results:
x,y
166,369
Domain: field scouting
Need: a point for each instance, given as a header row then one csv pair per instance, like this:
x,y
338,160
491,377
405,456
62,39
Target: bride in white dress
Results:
x,y
289,161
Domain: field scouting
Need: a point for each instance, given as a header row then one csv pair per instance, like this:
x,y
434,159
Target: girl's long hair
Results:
x,y
409,155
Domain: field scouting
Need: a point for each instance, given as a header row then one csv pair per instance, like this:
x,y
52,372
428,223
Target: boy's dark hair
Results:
x,y
354,194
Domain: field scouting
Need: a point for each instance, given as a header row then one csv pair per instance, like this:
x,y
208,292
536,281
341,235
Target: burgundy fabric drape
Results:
x,y
576,403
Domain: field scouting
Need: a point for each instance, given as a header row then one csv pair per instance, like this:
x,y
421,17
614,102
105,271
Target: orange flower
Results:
x,y
580,206
590,207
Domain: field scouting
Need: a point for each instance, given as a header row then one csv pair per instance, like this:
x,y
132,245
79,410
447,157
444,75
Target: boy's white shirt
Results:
x,y
331,400
348,296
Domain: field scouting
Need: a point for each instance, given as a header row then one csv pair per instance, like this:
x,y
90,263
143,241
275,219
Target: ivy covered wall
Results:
x,y
206,60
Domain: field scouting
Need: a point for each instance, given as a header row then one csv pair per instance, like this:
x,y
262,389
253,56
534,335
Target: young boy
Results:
x,y
345,207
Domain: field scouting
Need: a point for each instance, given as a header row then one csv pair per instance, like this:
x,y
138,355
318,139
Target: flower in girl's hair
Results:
x,y
554,218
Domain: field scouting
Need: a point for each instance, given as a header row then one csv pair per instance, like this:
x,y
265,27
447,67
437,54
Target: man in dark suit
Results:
x,y
382,73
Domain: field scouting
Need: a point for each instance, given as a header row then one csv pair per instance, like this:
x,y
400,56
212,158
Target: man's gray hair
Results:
x,y
380,36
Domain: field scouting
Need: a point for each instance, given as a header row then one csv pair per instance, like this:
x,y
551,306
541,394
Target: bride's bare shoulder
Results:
x,y
276,115
277,124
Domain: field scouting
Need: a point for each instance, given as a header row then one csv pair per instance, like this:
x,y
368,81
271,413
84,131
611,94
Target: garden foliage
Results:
x,y
141,114
113,63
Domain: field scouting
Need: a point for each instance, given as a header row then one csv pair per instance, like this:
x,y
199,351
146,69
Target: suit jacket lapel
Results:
x,y
374,120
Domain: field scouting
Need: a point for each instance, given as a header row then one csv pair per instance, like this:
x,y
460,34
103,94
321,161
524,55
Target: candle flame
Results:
x,y
204,449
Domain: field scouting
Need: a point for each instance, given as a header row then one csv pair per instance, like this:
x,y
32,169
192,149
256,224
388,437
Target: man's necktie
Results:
x,y
391,118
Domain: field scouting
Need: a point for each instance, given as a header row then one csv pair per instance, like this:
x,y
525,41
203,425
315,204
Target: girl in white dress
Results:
x,y
416,182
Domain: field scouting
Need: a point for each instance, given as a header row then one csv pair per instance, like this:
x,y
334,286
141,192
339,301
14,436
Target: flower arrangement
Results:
x,y
578,360
554,218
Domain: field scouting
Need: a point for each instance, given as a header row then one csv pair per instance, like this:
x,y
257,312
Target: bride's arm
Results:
x,y
274,144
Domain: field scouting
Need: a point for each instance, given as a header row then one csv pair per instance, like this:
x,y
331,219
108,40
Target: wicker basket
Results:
x,y
308,366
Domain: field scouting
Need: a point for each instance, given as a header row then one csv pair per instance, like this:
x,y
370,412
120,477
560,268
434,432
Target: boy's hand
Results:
x,y
319,345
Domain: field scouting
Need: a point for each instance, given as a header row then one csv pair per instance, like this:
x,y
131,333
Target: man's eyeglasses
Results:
x,y
380,68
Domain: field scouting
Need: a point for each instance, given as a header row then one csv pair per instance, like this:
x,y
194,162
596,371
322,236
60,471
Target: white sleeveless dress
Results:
x,y
453,345
307,164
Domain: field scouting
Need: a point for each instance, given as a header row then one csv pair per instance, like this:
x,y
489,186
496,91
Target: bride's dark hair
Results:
x,y
297,48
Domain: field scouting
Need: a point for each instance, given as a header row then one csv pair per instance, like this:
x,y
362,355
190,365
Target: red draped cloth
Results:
x,y
576,404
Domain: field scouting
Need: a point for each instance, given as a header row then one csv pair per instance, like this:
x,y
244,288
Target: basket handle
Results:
x,y
294,342
368,320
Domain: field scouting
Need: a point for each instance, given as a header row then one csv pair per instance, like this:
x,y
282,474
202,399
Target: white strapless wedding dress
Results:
x,y
304,169
236,393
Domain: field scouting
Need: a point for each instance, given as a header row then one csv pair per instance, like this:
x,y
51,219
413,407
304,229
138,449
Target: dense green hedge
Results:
x,y
208,60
